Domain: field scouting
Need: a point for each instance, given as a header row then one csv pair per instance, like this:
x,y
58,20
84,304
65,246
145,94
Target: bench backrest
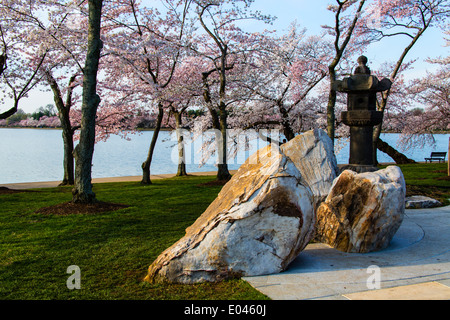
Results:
x,y
438,154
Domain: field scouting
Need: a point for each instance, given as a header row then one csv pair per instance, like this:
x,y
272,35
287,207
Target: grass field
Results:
x,y
114,249
427,179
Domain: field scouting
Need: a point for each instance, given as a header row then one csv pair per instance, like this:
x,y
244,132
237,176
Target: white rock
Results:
x,y
313,155
260,221
363,211
419,202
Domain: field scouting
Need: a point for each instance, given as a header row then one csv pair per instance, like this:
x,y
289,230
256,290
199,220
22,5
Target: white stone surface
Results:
x,y
259,223
419,202
363,211
313,155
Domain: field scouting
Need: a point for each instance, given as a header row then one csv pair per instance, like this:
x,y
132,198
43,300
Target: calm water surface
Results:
x,y
33,155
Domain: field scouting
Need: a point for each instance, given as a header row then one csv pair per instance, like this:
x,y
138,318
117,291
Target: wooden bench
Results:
x,y
438,156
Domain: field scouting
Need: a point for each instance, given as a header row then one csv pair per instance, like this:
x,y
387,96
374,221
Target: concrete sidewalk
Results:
x,y
415,266
53,184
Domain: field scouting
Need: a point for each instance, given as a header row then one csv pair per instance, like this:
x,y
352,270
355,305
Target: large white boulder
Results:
x,y
313,155
259,223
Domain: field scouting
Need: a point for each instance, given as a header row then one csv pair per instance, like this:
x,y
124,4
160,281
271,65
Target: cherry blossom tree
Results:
x,y
280,80
68,129
222,45
342,31
44,41
84,151
64,38
63,72
145,48
410,19
19,64
59,35
183,93
433,92
70,38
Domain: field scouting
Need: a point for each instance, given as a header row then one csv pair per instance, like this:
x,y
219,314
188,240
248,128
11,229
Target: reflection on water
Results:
x,y
31,155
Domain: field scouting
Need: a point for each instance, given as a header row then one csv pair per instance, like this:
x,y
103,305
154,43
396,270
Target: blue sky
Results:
x,y
311,15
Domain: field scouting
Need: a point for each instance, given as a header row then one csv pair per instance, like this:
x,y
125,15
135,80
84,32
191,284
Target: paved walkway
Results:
x,y
52,184
415,266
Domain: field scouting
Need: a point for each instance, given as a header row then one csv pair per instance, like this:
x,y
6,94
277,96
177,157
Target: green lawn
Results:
x,y
113,249
427,179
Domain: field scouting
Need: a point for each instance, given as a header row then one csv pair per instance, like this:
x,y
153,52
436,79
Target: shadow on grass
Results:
x,y
68,208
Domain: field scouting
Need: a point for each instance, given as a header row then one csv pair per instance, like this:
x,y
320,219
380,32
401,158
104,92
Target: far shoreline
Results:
x,y
172,129
59,128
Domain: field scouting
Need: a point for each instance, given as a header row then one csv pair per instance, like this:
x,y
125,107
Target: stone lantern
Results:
x,y
361,115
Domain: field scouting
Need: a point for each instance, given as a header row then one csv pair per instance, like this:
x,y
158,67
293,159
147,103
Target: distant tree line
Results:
x,y
42,117
47,117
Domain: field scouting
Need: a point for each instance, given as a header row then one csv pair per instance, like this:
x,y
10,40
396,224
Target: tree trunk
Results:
x,y
448,158
222,167
181,155
67,135
219,124
222,173
339,52
67,130
68,162
398,157
3,58
287,129
181,170
10,112
376,141
331,117
82,192
146,180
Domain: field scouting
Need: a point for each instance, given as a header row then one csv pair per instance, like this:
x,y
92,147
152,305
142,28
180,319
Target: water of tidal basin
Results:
x,y
34,155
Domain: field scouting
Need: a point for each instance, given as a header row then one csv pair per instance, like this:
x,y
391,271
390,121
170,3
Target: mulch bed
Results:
x,y
446,177
69,208
214,183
